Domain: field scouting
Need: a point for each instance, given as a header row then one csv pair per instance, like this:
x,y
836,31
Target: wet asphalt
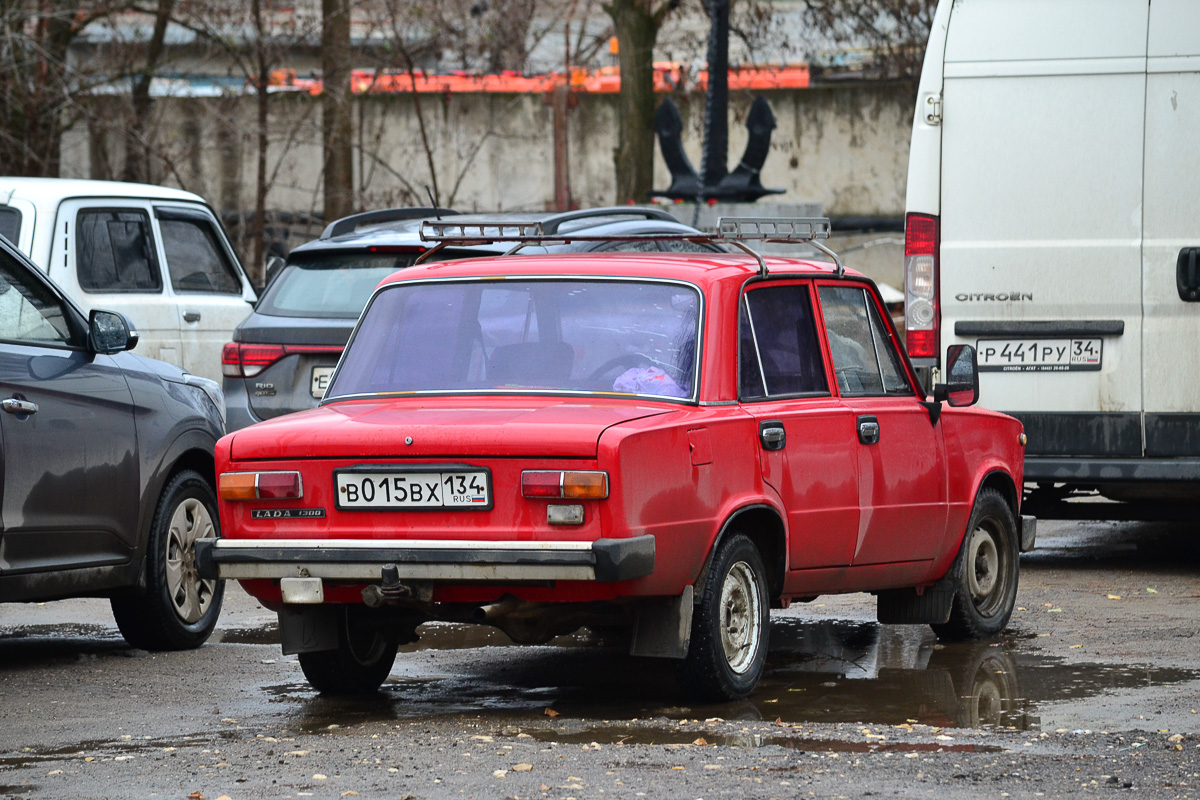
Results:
x,y
1094,689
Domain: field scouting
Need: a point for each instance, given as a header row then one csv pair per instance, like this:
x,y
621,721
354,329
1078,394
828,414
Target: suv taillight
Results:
x,y
240,360
922,316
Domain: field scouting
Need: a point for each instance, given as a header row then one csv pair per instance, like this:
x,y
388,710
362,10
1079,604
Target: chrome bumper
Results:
x,y
602,560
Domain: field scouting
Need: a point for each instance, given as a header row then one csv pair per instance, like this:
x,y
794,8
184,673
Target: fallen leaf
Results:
x,y
224,797
701,742
1114,597
1151,591
54,772
319,777
1054,611
195,796
543,787
522,767
712,766
350,792
483,738
676,767
1075,647
550,712
499,773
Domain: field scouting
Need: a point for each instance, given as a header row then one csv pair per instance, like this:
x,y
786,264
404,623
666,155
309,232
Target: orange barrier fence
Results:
x,y
667,77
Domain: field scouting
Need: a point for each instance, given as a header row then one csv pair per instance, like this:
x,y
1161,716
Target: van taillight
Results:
x,y
922,316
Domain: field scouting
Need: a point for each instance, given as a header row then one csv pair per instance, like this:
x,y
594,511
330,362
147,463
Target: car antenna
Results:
x,y
436,211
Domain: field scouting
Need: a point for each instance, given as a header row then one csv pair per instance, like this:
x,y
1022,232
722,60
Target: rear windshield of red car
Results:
x,y
575,336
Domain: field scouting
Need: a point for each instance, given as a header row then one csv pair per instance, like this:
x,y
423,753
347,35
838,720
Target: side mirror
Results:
x,y
110,332
962,377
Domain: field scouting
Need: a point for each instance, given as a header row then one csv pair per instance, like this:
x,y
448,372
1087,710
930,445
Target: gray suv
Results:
x,y
107,466
282,355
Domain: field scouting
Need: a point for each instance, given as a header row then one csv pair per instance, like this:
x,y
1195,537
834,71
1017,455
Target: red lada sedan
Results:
x,y
670,442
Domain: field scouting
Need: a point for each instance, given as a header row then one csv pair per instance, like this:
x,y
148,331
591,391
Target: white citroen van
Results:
x,y
1053,221
157,255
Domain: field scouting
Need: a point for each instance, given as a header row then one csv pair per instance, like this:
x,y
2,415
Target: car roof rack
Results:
x,y
735,231
355,221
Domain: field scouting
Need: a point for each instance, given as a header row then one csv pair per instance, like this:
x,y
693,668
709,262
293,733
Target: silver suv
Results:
x,y
282,355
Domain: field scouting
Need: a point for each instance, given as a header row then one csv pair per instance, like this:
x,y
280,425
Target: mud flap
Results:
x,y
308,630
664,627
1028,533
906,607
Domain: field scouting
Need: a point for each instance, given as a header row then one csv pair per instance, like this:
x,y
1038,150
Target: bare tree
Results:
x,y
137,141
337,123
894,32
637,23
39,90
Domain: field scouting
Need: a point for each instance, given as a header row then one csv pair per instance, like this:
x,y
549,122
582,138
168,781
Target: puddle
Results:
x,y
817,672
618,735
267,635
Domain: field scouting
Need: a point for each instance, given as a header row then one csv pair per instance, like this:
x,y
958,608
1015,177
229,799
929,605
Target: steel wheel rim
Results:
x,y
190,595
740,613
987,568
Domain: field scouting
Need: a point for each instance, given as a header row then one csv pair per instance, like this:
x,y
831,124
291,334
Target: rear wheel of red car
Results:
x,y
178,609
730,625
360,665
985,572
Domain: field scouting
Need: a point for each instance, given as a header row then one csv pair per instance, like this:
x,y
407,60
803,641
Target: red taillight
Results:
x,y
922,314
239,360
260,486
569,484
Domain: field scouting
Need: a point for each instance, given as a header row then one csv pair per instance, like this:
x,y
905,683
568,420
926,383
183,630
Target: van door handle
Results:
x,y
1187,274
191,316
868,430
14,406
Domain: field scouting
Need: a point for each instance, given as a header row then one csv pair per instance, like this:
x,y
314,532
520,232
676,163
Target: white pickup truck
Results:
x,y
155,254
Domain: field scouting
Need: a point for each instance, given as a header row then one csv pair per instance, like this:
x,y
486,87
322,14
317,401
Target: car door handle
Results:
x,y
14,406
1187,275
191,316
868,430
772,435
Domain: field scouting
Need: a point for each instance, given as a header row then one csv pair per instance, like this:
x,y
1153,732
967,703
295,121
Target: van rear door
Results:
x,y
1041,214
1171,220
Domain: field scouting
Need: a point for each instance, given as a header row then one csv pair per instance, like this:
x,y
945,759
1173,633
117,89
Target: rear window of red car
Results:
x,y
521,335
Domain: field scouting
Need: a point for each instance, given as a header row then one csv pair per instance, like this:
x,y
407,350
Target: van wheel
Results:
x,y
730,625
985,572
359,665
178,609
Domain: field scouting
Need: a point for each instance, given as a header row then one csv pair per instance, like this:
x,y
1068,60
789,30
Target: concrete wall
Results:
x,y
842,147
845,147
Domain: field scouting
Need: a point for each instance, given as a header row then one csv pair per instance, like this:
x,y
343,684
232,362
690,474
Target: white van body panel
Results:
x,y
1171,218
1061,173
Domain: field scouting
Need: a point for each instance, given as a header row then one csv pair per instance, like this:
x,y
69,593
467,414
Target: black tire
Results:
x,y
985,572
359,665
730,625
178,609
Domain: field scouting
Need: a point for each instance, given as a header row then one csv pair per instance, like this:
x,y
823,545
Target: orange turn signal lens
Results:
x,y
260,486
572,484
585,485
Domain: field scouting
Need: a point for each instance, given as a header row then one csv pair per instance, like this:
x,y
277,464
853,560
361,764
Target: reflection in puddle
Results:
x,y
817,672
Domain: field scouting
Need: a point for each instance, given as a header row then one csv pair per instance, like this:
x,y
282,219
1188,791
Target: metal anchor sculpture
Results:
x,y
715,182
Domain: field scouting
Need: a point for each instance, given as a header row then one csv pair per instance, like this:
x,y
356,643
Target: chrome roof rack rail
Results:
x,y
734,231
783,230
